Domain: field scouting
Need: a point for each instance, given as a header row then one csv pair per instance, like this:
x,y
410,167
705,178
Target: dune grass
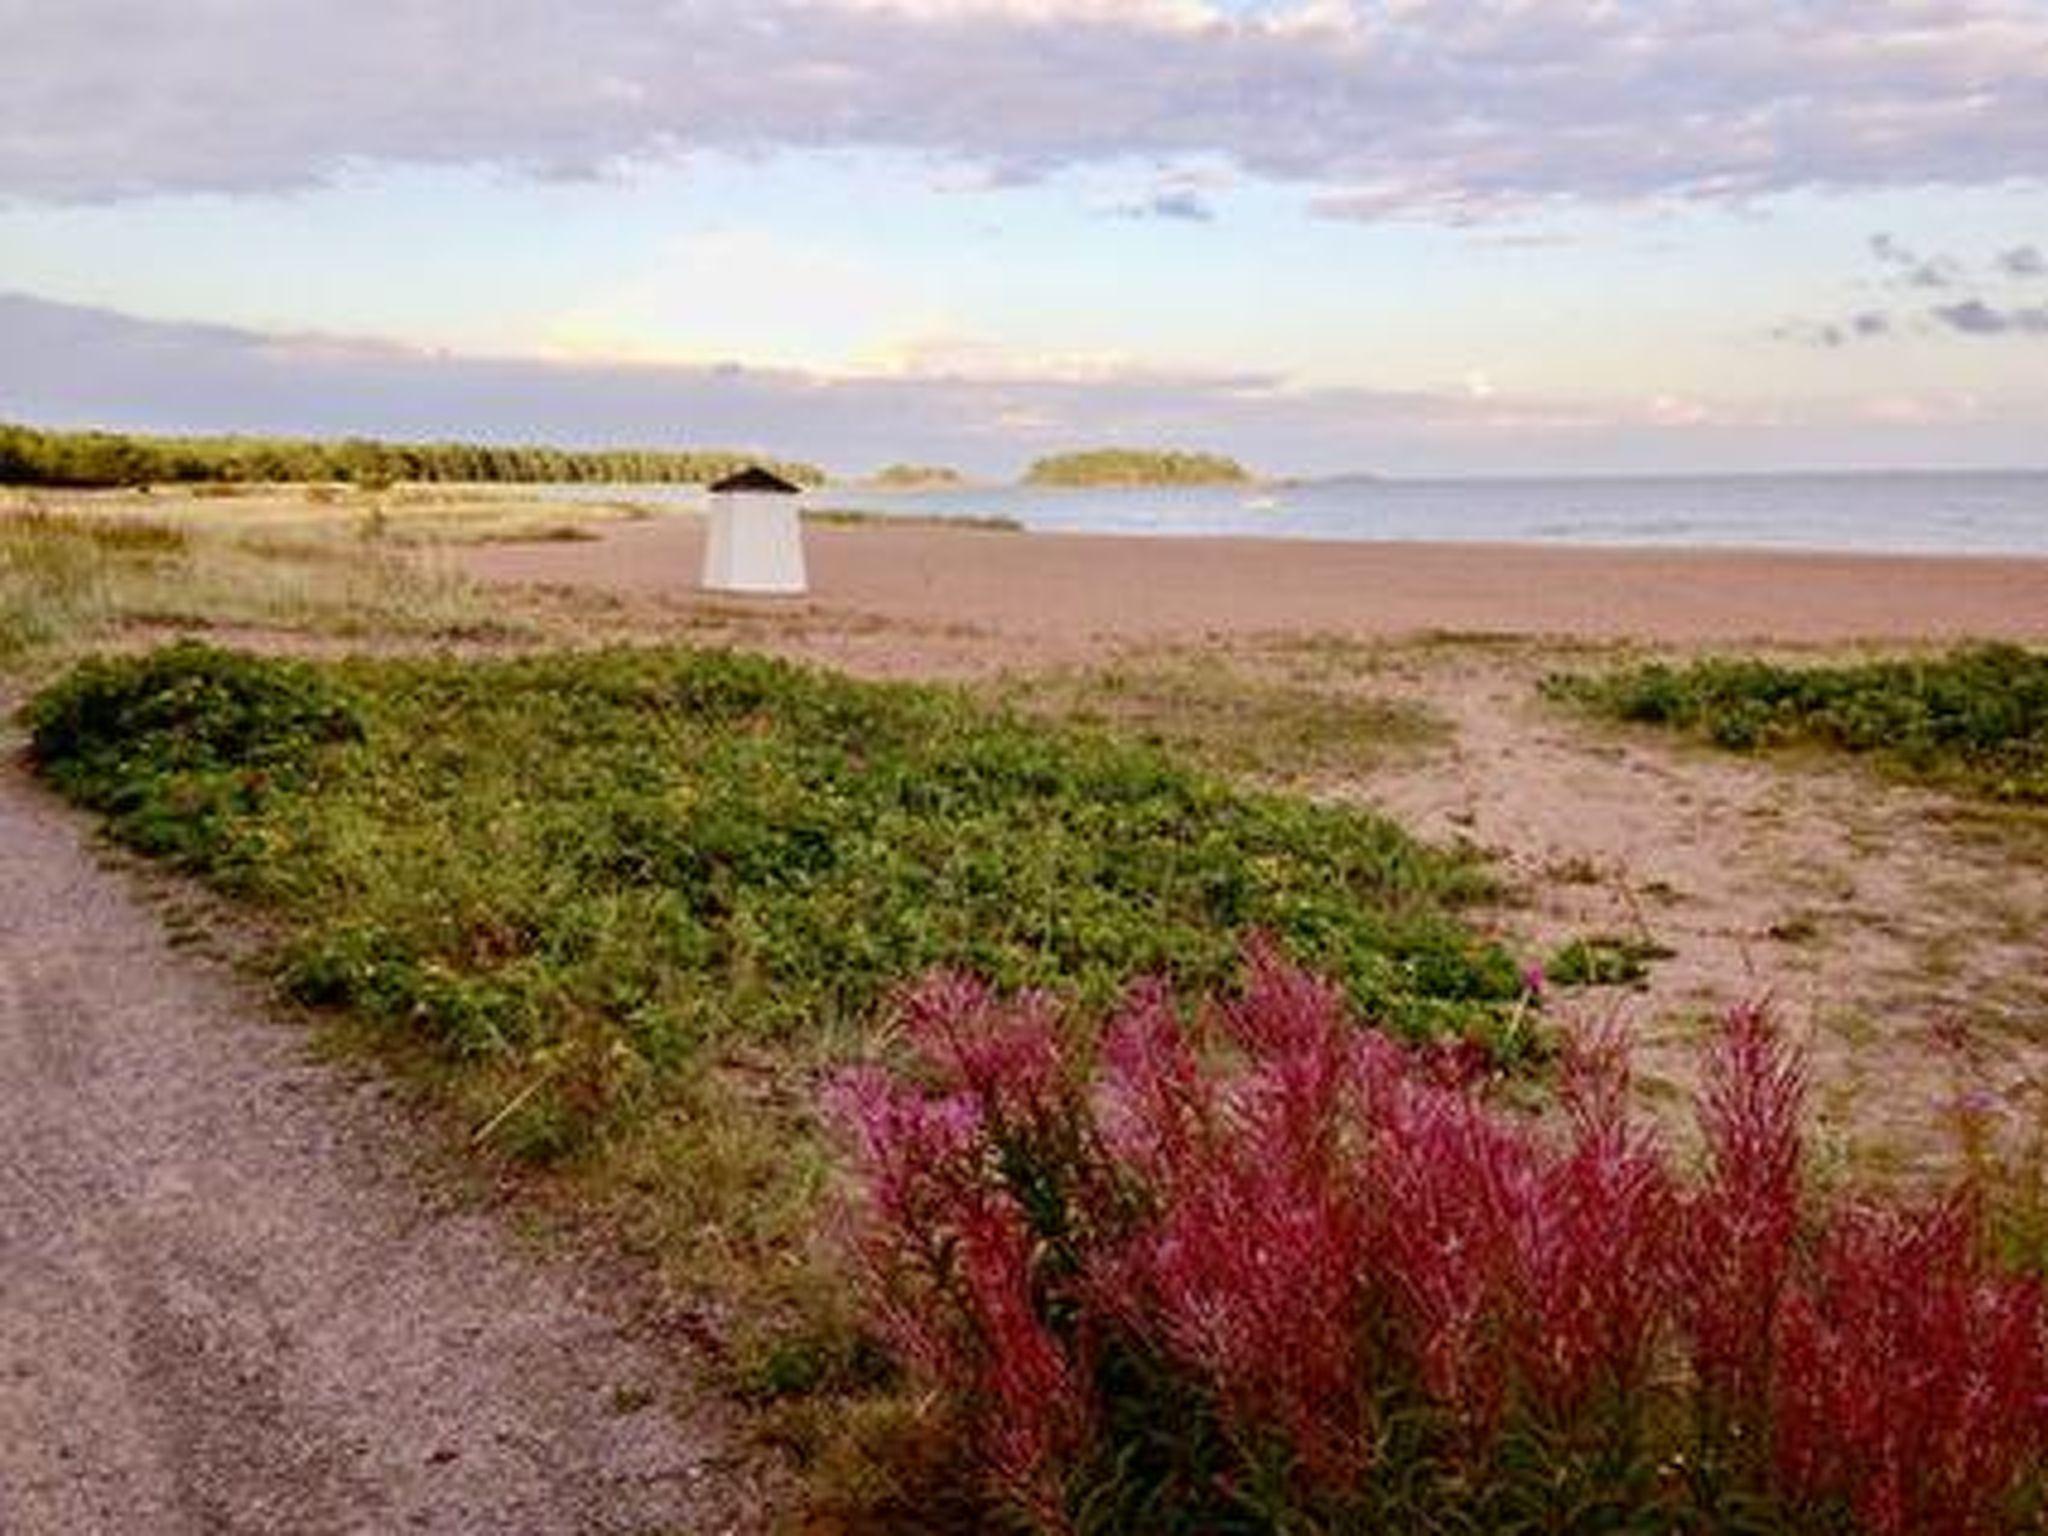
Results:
x,y
73,577
1240,720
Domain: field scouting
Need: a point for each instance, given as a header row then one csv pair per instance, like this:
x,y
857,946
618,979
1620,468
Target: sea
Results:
x,y
1932,512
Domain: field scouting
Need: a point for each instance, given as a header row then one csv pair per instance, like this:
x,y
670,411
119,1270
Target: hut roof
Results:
x,y
756,479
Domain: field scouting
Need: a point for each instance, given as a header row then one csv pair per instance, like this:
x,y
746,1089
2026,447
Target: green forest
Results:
x,y
90,459
1136,466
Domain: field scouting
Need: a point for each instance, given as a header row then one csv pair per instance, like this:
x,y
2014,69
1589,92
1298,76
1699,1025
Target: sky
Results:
x,y
1404,236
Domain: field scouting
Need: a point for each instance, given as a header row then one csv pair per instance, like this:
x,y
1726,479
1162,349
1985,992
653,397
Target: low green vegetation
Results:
x,y
911,477
32,457
853,517
1135,466
1284,729
1604,960
678,847
1974,719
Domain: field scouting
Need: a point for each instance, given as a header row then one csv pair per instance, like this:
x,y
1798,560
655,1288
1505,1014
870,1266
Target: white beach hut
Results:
x,y
755,541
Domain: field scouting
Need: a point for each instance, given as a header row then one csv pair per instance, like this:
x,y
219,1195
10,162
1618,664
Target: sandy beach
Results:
x,y
1063,593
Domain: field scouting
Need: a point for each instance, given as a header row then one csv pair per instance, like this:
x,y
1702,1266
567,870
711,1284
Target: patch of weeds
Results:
x,y
1975,719
701,845
1604,960
1578,869
549,533
1799,928
805,1360
1240,722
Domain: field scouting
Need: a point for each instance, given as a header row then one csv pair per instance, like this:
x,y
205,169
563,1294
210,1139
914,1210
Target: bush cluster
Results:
x,y
1278,1273
1977,717
184,749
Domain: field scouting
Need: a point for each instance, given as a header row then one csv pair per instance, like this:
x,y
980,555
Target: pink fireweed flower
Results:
x,y
1450,1183
1246,1264
1741,1225
1912,1381
920,1159
1594,1074
1004,1051
1249,1272
1034,1411
1287,1221
1596,1270
949,1263
1284,1009
1154,1106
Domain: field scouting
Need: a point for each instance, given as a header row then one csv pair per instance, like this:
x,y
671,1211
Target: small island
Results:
x,y
1134,467
916,477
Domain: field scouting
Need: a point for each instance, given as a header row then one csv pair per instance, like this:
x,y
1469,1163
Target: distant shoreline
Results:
x,y
1977,514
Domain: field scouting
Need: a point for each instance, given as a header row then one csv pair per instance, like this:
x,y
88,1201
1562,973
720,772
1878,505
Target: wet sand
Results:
x,y
1065,592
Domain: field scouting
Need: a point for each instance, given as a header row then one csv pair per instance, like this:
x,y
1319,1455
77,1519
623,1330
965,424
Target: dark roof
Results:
x,y
755,478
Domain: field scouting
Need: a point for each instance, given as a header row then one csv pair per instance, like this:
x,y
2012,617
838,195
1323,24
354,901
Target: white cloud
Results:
x,y
742,293
1442,109
1172,14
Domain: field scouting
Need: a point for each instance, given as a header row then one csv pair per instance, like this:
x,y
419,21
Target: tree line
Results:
x,y
29,456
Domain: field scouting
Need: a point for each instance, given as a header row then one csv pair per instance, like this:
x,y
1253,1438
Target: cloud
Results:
x,y
66,365
1971,316
1180,204
1866,326
1974,317
1914,270
1440,109
2023,261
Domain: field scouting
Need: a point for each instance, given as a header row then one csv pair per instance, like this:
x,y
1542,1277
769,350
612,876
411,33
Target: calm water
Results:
x,y
2003,513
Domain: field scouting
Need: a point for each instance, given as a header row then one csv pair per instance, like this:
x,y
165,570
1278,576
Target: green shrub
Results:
x,y
184,749
1976,718
1604,960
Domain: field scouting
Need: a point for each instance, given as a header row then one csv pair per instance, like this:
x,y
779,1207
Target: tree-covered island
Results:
x,y
1136,466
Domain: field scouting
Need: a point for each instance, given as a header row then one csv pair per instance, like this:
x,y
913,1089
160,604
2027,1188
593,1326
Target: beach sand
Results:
x,y
1058,595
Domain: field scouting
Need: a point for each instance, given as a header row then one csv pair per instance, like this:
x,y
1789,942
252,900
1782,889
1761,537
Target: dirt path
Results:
x,y
228,1306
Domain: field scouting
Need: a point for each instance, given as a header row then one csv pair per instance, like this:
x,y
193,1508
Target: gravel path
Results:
x,y
228,1305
